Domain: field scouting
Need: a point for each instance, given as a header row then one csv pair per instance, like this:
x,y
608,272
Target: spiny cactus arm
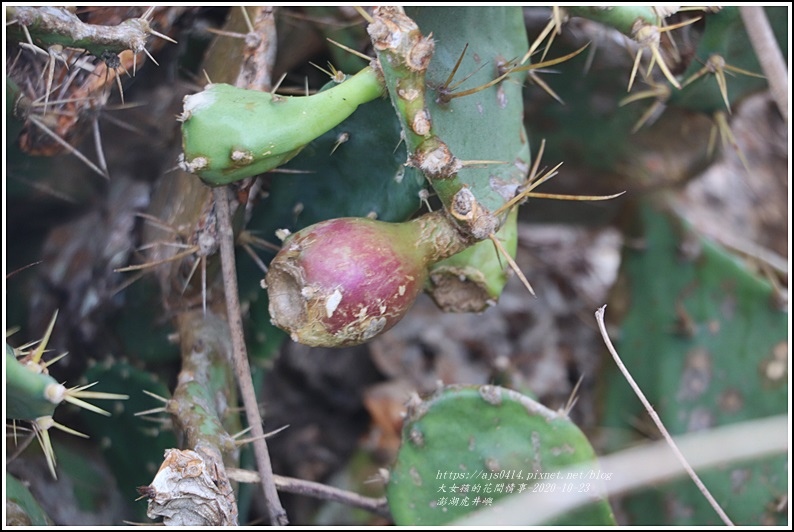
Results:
x,y
231,133
47,25
30,392
445,128
404,54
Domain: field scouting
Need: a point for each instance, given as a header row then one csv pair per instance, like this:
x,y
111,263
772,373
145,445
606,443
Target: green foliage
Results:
x,y
468,447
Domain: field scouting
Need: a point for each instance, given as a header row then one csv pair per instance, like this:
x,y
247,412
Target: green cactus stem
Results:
x,y
342,281
231,133
30,392
625,19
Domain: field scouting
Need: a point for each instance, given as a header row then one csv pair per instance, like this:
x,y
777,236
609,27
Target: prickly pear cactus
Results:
x,y
407,170
435,122
132,444
468,447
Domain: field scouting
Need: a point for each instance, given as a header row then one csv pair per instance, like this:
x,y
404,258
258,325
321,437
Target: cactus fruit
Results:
x,y
342,281
230,133
467,447
306,288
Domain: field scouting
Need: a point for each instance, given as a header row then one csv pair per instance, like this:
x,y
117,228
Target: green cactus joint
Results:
x,y
230,133
468,447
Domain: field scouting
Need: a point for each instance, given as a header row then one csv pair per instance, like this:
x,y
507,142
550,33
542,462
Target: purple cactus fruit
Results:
x,y
341,282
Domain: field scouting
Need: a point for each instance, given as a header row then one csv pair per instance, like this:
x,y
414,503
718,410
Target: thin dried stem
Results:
x,y
298,486
599,314
240,356
769,55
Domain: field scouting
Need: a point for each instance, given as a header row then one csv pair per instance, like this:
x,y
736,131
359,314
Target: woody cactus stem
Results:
x,y
48,25
201,413
341,282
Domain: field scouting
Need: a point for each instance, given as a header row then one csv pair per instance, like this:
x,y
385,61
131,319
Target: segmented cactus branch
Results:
x,y
406,57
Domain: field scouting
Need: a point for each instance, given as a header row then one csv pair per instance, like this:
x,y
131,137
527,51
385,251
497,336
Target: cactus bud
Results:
x,y
341,282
